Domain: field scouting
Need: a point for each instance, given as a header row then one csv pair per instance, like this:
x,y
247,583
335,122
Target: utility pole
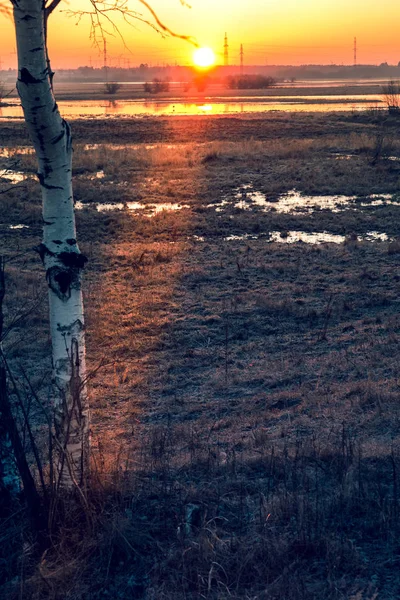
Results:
x,y
355,51
241,59
226,51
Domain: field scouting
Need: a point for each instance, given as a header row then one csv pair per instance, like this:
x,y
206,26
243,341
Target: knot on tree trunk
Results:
x,y
27,78
73,260
62,279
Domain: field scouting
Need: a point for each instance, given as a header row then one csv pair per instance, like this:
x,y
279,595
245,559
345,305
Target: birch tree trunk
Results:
x,y
51,137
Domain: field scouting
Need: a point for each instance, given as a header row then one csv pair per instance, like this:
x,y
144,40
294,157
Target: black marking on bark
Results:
x,y
41,140
27,18
38,107
73,260
67,328
64,280
58,138
47,223
38,49
37,98
59,281
55,107
68,134
47,169
58,242
42,250
46,186
71,241
27,78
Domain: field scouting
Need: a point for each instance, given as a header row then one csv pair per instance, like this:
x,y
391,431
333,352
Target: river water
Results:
x,y
86,109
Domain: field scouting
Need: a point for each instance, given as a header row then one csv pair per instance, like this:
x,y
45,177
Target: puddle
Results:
x,y
154,209
149,210
11,152
88,147
291,237
14,176
243,237
89,109
314,237
380,200
383,196
219,206
323,237
135,206
18,226
294,201
342,155
108,207
98,175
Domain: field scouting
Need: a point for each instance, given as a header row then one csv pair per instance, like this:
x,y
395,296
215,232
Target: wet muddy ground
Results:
x,y
242,294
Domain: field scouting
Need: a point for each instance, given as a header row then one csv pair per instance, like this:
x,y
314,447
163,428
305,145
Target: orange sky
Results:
x,y
272,32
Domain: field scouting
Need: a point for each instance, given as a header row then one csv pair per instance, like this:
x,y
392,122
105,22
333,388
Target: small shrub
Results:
x,y
250,82
391,96
112,87
157,86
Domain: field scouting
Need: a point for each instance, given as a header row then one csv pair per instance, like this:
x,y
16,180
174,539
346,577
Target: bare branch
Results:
x,y
49,8
5,8
102,13
164,27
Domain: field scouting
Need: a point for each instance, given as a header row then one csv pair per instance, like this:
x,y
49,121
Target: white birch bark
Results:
x,y
59,251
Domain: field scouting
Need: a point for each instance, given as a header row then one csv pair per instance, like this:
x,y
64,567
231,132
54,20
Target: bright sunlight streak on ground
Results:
x,y
204,57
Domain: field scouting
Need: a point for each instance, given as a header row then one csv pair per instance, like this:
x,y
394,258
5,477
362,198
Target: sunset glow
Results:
x,y
272,33
204,57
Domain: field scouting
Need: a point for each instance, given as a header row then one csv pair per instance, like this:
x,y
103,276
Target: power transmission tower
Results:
x,y
241,59
105,60
355,51
226,51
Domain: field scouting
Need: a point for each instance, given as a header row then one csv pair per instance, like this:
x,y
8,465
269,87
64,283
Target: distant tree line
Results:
x,y
250,82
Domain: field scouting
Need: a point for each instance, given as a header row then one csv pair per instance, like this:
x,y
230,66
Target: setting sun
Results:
x,y
204,57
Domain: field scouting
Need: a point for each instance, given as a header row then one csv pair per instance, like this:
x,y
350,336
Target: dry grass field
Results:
x,y
244,390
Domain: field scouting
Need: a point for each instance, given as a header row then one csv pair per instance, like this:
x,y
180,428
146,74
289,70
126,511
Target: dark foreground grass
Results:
x,y
246,419
306,521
